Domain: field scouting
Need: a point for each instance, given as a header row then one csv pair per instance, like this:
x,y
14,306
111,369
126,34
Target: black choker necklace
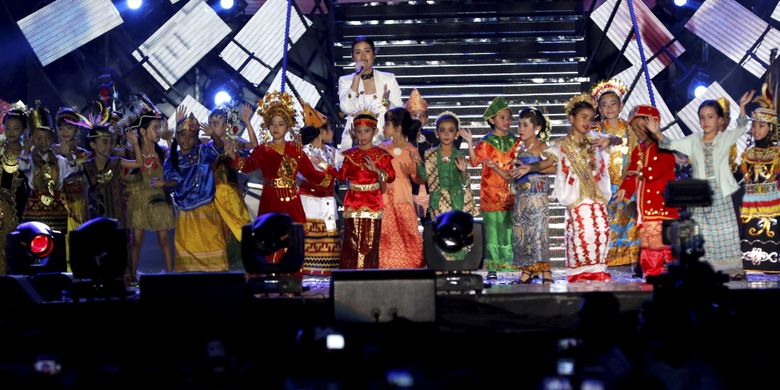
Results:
x,y
367,76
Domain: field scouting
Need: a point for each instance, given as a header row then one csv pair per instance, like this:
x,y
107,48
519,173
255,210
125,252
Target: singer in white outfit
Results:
x,y
366,83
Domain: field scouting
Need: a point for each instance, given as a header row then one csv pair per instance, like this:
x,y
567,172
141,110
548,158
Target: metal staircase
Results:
x,y
462,54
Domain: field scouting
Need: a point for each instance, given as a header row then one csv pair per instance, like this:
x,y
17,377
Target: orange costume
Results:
x,y
400,245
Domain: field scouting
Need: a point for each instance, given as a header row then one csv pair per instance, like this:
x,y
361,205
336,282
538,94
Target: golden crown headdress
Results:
x,y
368,109
766,111
581,98
609,86
725,105
40,118
189,124
277,104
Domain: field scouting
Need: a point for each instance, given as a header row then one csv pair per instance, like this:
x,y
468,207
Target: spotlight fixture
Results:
x,y
35,248
454,246
271,236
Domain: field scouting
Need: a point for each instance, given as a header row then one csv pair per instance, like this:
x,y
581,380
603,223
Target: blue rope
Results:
x,y
641,52
286,44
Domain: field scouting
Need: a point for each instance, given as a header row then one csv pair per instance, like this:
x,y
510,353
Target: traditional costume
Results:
x,y
322,244
530,216
624,235
759,227
46,172
14,186
496,198
582,185
654,168
363,203
199,239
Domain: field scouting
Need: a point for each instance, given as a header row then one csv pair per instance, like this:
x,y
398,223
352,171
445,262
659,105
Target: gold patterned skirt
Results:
x,y
199,241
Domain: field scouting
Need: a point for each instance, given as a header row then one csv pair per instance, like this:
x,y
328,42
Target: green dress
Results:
x,y
448,187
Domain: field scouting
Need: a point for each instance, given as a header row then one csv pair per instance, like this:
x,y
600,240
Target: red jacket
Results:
x,y
657,169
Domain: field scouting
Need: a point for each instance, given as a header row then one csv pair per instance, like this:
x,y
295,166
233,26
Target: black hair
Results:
x,y
536,117
399,116
609,93
363,38
309,133
145,123
16,114
714,104
579,106
445,118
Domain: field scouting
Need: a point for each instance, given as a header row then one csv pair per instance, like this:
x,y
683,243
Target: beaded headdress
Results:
x,y
581,98
277,104
446,114
609,86
766,111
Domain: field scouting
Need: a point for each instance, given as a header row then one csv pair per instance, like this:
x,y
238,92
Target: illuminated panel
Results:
x,y
181,42
63,26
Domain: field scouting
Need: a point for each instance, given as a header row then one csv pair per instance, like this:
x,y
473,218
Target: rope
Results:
x,y
641,52
286,44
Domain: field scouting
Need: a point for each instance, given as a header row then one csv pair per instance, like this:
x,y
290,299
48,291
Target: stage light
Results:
x,y
259,46
732,29
680,3
135,4
35,248
98,258
454,245
269,235
226,4
63,26
181,42
222,97
699,90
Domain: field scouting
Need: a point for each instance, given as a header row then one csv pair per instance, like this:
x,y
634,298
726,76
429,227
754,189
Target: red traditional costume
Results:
x,y
654,168
363,201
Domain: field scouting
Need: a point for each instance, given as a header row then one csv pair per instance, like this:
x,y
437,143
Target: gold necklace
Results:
x,y
10,161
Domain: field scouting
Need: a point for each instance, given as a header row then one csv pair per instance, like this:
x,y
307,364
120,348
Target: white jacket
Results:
x,y
349,102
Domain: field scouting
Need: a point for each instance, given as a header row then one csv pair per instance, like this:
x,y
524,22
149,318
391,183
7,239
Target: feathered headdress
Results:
x,y
16,110
766,111
277,104
40,118
98,124
581,98
608,86
367,112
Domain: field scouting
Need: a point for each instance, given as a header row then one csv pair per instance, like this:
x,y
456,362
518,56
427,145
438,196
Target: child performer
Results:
x,y
495,151
198,238
69,126
368,168
582,185
648,173
530,216
149,206
322,250
761,204
13,184
709,152
279,160
623,236
46,172
444,170
400,245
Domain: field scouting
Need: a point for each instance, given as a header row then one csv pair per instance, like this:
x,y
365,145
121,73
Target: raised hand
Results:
x,y
371,166
131,136
746,98
460,162
246,113
181,113
466,135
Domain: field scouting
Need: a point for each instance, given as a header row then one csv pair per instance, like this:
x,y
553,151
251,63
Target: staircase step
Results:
x,y
380,11
456,29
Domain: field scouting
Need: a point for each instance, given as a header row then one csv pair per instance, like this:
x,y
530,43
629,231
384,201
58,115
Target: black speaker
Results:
x,y
219,291
383,295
